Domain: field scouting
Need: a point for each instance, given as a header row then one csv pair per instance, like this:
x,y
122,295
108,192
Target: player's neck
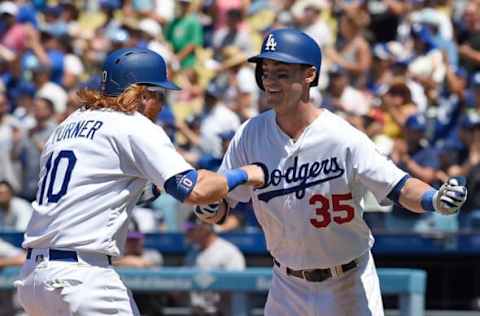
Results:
x,y
294,122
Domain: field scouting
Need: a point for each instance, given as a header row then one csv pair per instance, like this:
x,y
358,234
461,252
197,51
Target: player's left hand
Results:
x,y
451,196
213,213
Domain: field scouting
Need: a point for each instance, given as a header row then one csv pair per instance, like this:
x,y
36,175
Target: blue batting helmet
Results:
x,y
288,46
127,66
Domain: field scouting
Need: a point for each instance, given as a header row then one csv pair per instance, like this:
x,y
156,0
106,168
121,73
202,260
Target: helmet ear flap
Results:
x,y
259,74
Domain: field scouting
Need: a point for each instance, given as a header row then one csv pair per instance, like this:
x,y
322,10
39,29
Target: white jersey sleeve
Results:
x,y
373,169
153,154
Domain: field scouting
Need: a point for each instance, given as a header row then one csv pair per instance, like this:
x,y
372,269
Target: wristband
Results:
x,y
235,178
427,200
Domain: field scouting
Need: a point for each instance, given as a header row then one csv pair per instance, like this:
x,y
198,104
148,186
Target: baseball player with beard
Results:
x,y
95,166
319,168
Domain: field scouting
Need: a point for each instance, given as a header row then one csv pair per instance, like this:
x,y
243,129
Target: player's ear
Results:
x,y
310,74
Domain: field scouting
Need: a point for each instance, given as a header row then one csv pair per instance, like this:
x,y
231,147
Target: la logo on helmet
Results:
x,y
271,43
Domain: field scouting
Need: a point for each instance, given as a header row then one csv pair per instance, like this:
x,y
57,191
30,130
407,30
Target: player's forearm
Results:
x,y
210,187
411,194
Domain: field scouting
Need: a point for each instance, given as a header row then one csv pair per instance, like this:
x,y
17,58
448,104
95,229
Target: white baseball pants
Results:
x,y
89,287
355,293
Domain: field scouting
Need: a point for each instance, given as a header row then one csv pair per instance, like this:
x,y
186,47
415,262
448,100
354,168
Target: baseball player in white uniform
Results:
x,y
319,168
95,166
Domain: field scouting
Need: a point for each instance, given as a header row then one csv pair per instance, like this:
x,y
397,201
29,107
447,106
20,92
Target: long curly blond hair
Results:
x,y
128,102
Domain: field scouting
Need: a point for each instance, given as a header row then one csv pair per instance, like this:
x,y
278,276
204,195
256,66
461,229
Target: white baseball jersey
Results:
x,y
311,208
93,169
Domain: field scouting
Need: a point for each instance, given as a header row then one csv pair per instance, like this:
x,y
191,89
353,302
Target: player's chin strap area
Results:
x,y
322,274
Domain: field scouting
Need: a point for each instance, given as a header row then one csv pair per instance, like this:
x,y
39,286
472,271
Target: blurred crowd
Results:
x,y
407,73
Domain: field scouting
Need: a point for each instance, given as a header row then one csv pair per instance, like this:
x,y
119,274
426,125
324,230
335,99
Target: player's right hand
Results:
x,y
212,213
451,196
257,176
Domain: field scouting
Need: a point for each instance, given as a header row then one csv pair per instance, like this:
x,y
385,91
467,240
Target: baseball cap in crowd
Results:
x,y
337,71
215,90
476,80
227,135
110,4
471,119
416,122
8,7
150,27
118,36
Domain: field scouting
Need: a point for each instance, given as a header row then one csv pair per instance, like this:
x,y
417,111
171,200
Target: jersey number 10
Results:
x,y
342,213
65,157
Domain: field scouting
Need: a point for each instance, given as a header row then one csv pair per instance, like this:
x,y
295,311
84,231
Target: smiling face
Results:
x,y
286,84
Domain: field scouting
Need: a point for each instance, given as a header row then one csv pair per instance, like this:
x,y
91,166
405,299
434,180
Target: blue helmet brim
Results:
x,y
163,84
277,56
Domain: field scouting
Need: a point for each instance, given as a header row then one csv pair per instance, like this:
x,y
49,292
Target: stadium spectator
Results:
x,y
29,148
48,89
352,50
234,33
469,36
10,132
15,212
413,155
210,252
238,80
342,96
135,254
185,34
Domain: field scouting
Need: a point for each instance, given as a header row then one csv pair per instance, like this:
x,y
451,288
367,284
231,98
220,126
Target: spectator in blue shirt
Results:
x,y
421,161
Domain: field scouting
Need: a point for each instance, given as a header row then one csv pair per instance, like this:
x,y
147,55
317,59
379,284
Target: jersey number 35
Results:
x,y
341,212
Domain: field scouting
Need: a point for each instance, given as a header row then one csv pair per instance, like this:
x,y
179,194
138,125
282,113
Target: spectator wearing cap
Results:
x,y
210,252
29,150
463,148
341,96
73,68
210,162
52,22
463,159
185,34
413,155
48,89
135,254
312,23
217,118
384,57
239,79
15,212
24,105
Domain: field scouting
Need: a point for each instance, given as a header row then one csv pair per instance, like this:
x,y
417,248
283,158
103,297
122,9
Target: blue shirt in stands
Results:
x,y
426,157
